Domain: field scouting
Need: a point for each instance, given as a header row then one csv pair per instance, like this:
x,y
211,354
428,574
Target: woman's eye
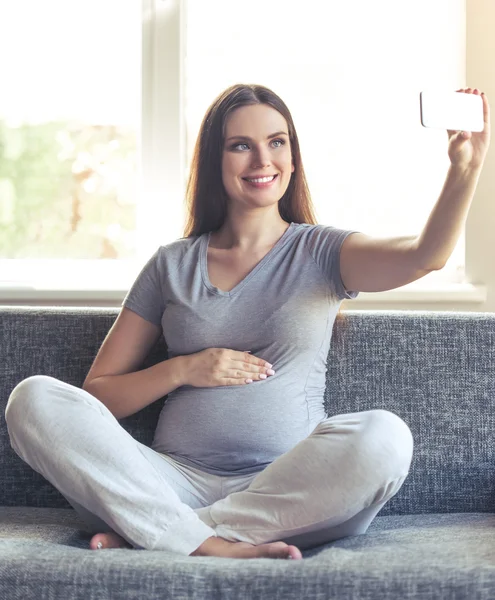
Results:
x,y
243,146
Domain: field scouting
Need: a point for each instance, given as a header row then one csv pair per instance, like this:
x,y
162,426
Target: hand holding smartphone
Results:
x,y
456,111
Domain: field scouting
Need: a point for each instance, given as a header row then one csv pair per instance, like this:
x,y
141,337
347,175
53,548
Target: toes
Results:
x,y
97,542
278,551
107,540
295,553
283,550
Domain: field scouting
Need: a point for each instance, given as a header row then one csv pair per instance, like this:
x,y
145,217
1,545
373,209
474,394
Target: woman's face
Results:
x,y
257,159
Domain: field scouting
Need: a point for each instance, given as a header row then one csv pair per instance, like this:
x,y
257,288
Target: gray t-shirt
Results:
x,y
283,311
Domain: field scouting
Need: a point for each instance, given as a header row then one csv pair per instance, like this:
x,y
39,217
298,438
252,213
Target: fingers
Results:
x,y
252,368
245,377
252,373
486,110
462,135
250,360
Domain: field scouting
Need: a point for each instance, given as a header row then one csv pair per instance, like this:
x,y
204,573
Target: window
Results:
x,y
70,126
104,101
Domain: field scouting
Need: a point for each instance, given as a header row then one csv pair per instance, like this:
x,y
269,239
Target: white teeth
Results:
x,y
262,179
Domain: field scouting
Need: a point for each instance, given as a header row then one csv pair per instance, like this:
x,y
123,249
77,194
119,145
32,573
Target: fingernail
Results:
x,y
99,546
270,372
268,365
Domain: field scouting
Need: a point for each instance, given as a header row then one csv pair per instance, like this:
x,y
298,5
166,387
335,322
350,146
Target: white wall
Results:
x,y
481,73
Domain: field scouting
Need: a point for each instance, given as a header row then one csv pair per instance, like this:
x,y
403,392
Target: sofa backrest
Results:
x,y
433,369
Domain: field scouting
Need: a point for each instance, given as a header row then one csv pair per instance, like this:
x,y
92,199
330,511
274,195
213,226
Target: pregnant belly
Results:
x,y
232,429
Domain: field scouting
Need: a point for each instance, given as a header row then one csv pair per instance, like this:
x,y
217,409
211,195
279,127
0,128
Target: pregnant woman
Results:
x,y
245,462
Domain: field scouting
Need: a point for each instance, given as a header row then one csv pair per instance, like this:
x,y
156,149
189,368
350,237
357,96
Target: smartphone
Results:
x,y
451,110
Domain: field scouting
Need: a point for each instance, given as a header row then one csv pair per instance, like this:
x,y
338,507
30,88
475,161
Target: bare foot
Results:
x,y
108,540
217,546
213,546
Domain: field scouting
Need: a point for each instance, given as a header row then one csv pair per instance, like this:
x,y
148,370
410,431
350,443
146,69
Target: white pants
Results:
x,y
330,485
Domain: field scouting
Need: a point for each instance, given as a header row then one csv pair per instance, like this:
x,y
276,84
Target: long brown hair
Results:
x,y
206,198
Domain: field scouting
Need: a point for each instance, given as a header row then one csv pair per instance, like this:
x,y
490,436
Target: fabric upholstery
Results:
x,y
413,556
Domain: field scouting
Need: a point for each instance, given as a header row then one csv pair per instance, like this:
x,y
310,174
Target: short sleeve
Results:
x,y
324,245
146,297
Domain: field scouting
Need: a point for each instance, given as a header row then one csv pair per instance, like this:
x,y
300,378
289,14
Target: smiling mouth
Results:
x,y
266,179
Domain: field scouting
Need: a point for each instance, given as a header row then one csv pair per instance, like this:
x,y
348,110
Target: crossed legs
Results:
x,y
330,485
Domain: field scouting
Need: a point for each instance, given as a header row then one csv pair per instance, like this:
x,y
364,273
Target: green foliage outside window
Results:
x,y
67,190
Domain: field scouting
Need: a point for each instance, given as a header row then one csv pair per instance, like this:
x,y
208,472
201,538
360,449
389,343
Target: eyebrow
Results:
x,y
245,137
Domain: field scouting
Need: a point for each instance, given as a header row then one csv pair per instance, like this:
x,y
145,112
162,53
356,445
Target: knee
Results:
x,y
388,442
26,397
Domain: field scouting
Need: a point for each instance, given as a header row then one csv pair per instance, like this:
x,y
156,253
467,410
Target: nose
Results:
x,y
261,158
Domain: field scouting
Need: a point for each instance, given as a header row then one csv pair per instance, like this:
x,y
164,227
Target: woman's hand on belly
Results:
x,y
215,367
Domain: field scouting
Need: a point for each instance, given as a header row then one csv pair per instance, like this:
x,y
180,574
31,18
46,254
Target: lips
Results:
x,y
261,178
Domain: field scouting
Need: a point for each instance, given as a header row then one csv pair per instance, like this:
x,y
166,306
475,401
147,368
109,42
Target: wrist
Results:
x,y
465,169
182,370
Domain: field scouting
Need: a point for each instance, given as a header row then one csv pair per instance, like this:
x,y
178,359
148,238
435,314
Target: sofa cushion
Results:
x,y
419,556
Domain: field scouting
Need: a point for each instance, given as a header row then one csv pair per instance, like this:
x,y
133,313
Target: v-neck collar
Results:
x,y
203,259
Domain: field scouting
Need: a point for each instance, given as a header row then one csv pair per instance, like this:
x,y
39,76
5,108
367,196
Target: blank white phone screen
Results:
x,y
451,110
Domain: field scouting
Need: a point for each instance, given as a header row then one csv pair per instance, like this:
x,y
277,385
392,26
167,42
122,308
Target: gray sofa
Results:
x,y
434,539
